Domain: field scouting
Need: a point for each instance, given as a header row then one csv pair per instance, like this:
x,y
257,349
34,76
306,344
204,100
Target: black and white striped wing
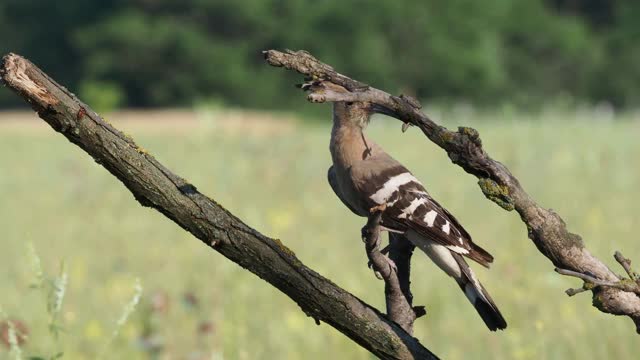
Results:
x,y
409,207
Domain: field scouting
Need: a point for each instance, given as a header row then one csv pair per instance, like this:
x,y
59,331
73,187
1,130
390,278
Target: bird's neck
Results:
x,y
348,143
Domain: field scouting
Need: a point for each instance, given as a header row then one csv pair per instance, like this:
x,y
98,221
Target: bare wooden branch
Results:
x,y
153,185
572,292
545,228
395,275
626,265
628,285
400,252
586,277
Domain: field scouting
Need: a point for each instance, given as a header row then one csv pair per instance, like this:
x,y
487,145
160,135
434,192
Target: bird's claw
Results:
x,y
392,266
378,208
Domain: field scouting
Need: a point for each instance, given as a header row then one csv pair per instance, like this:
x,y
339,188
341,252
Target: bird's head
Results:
x,y
352,112
346,106
345,110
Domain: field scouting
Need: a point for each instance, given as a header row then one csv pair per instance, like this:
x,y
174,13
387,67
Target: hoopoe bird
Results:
x,y
365,177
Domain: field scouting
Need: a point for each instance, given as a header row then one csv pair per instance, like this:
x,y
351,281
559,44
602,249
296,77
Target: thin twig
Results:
x,y
572,292
626,264
587,278
624,285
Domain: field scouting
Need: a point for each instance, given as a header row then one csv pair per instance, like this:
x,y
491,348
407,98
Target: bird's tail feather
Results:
x,y
479,297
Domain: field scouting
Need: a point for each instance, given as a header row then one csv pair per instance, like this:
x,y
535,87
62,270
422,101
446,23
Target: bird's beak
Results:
x,y
380,109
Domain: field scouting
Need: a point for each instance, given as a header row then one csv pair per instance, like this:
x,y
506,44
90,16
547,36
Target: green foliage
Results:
x,y
174,53
104,96
122,320
54,289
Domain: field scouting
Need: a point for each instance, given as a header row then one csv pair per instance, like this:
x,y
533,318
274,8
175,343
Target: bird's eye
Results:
x,y
349,103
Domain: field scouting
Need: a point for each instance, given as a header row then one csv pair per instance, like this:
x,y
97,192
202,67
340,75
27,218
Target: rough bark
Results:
x,y
400,252
546,229
153,185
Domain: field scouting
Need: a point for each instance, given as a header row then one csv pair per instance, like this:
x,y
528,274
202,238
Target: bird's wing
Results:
x,y
409,206
333,181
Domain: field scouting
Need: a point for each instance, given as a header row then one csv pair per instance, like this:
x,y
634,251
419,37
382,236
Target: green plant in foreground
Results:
x,y
54,290
122,320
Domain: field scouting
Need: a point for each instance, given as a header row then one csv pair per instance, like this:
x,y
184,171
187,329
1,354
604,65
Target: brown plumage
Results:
x,y
364,176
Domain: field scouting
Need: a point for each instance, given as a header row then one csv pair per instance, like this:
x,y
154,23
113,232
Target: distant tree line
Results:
x,y
150,53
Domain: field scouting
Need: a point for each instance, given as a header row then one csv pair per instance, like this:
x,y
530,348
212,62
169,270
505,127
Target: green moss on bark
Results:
x,y
499,194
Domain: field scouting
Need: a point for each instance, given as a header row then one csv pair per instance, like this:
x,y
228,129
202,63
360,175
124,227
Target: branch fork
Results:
x,y
631,284
395,275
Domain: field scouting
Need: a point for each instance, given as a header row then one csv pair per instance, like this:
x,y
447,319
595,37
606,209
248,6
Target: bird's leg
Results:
x,y
376,213
378,208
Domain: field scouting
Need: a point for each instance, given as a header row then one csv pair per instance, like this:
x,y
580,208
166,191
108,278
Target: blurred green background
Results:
x,y
552,86
149,53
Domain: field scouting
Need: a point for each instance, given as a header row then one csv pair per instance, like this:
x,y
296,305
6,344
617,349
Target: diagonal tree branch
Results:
x,y
155,186
545,228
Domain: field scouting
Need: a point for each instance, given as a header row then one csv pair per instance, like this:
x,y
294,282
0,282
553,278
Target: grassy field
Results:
x,y
196,304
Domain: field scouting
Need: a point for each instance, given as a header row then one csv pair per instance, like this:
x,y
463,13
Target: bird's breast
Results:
x,y
349,188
